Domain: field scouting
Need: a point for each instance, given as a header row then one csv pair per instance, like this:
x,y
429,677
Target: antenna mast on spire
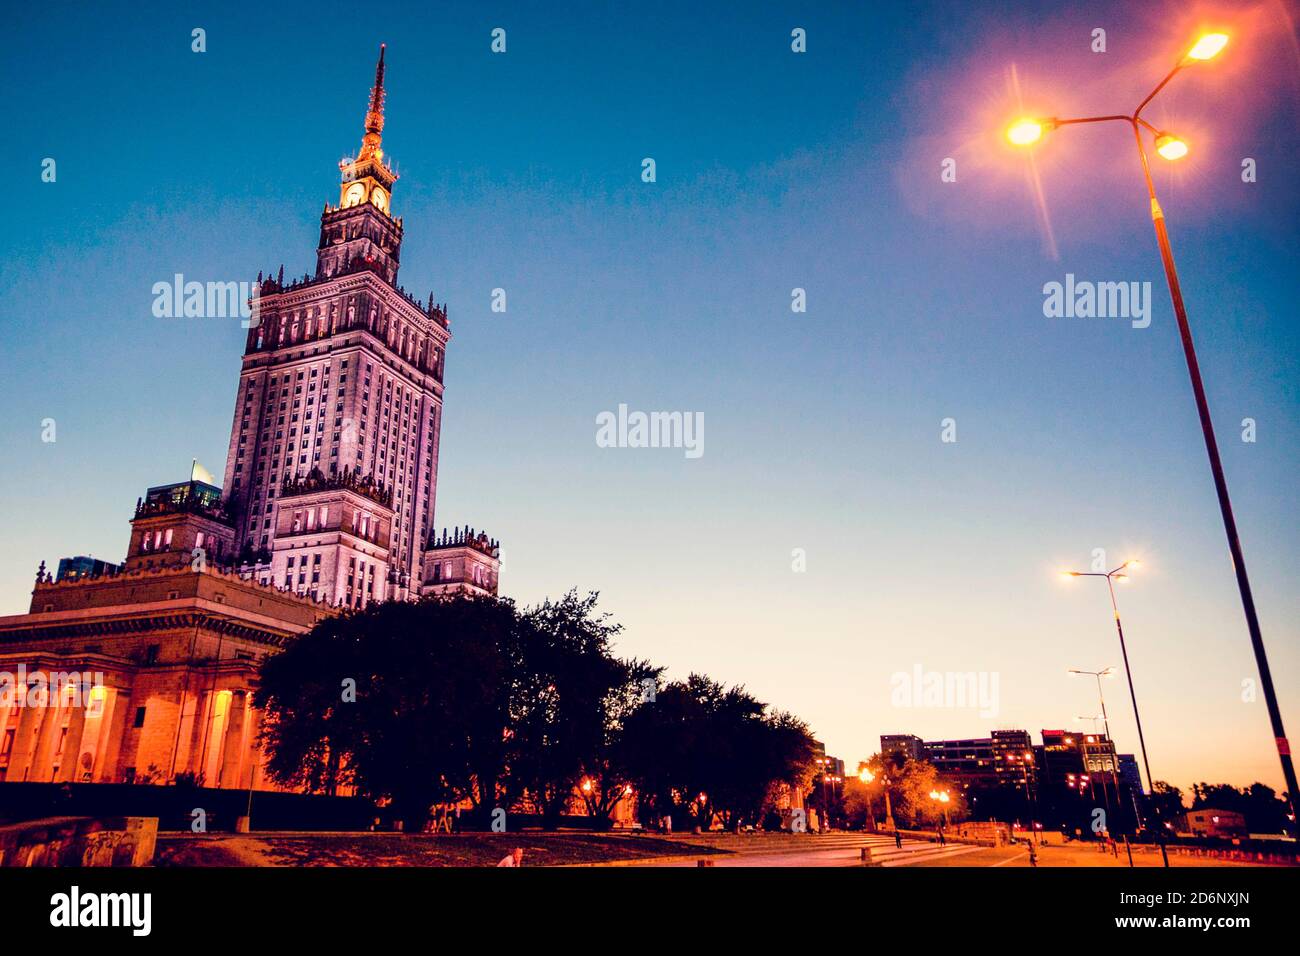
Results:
x,y
375,115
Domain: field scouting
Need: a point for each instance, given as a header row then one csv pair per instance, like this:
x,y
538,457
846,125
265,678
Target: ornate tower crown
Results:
x,y
369,168
361,233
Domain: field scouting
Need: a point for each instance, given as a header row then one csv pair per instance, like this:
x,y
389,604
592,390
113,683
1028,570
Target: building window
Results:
x,y
139,718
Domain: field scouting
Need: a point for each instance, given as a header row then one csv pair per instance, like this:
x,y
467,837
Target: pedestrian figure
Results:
x,y
942,841
898,838
1033,855
514,858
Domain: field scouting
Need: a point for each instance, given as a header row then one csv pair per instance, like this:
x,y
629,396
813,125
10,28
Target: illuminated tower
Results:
x,y
332,470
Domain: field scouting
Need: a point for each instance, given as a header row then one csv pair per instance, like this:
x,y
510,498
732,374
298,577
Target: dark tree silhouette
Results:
x,y
454,699
700,750
574,695
434,687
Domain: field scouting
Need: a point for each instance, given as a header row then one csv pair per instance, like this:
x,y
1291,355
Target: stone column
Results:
x,y
251,773
41,767
69,767
5,711
233,753
190,758
113,728
20,760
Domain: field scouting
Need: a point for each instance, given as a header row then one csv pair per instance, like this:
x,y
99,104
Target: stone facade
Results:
x,y
146,671
171,656
342,377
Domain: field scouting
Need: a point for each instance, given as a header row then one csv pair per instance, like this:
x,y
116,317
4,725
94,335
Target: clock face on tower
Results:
x,y
380,199
354,194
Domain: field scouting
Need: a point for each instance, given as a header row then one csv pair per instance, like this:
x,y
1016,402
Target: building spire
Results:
x,y
375,115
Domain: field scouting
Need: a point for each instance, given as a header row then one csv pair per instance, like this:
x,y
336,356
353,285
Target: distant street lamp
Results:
x,y
942,798
1114,757
866,776
1111,577
1025,763
1025,132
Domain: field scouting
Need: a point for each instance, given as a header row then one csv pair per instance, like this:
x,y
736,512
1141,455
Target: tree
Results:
x,y
1263,811
573,697
1163,805
700,751
406,701
909,784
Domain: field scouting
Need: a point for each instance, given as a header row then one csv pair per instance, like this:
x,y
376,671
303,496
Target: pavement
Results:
x,y
832,849
845,849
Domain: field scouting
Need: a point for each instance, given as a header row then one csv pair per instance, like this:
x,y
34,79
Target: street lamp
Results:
x,y
1110,577
1026,762
1114,757
866,776
1170,147
942,798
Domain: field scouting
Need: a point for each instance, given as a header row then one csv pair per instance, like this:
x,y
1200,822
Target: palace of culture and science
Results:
x,y
327,504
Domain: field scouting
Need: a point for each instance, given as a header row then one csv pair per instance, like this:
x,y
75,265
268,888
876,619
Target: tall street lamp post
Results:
x,y
1114,757
942,798
866,776
1027,131
1111,577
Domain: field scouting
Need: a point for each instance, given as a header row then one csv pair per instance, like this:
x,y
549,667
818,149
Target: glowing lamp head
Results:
x,y
866,776
1025,132
1170,146
1208,46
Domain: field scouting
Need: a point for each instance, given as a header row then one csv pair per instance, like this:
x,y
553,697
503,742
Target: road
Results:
x,y
834,850
845,850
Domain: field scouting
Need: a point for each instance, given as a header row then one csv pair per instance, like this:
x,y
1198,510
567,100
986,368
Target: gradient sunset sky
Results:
x,y
822,430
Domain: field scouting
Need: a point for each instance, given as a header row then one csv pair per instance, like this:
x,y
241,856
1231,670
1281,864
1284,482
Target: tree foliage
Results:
x,y
702,749
448,700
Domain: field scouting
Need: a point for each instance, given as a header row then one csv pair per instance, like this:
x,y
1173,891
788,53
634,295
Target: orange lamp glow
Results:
x,y
1208,46
1170,146
1024,132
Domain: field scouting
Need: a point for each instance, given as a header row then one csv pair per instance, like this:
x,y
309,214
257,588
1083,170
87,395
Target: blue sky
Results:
x,y
822,429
